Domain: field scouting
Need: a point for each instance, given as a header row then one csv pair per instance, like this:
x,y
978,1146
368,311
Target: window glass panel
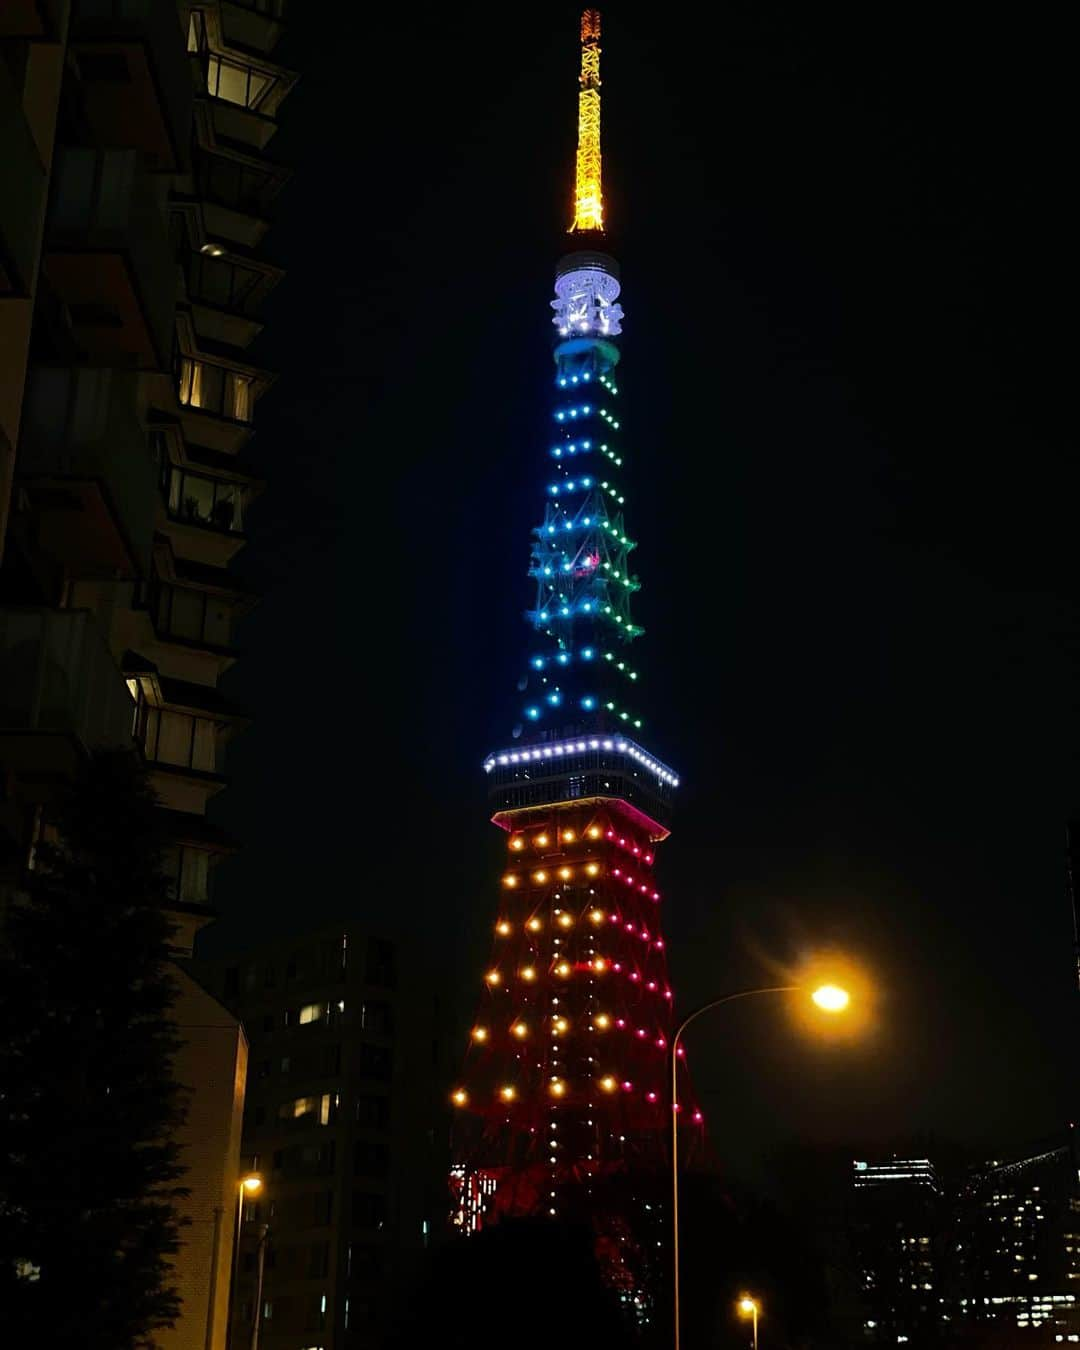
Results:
x,y
198,498
187,377
218,621
175,479
311,1012
170,870
150,744
204,751
227,507
195,876
207,386
187,613
239,399
174,738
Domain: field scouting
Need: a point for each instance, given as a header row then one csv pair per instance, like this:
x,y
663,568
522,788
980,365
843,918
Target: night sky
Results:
x,y
847,375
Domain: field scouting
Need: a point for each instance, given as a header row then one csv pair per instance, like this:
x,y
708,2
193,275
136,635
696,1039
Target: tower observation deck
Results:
x,y
561,1106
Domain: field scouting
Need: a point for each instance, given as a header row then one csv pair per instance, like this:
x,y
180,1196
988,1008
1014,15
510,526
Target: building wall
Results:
x,y
213,1061
347,1025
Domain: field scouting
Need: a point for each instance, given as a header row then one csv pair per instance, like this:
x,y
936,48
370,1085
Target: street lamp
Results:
x,y
250,1184
750,1307
828,997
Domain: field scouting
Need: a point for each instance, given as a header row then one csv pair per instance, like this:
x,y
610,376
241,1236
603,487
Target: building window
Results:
x,y
368,1209
372,1112
215,389
309,1109
376,1017
187,878
374,1061
381,966
370,1158
311,1012
235,82
181,739
200,500
193,616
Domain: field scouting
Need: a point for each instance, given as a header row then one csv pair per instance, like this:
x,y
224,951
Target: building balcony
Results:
x,y
20,211
238,192
108,257
135,81
61,692
85,462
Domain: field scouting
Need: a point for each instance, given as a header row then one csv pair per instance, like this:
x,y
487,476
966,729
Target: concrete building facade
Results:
x,y
137,188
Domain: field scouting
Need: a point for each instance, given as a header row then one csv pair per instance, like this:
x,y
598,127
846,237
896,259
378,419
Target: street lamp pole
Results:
x,y
705,1007
754,1314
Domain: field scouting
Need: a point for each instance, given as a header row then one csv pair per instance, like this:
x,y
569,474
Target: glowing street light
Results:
x,y
750,1307
829,998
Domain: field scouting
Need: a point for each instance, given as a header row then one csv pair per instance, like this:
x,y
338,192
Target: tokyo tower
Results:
x,y
562,1101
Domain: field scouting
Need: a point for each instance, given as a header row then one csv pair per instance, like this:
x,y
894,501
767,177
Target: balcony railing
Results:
x,y
61,692
81,426
104,207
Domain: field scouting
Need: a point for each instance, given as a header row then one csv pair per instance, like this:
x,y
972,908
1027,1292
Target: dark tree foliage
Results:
x,y
529,1284
88,1105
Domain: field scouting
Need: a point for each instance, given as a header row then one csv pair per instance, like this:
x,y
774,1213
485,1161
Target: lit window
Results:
x,y
311,1012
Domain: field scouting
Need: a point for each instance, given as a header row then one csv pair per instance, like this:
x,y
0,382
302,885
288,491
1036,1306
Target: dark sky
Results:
x,y
848,365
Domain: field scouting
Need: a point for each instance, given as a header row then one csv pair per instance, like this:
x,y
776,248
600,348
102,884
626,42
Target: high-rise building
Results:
x,y
896,1226
1017,1246
136,190
562,1103
345,1122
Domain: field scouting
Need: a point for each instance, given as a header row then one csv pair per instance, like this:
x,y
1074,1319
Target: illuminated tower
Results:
x,y
563,1088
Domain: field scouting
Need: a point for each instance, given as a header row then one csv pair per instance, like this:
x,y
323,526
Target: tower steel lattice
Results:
x,y
562,1108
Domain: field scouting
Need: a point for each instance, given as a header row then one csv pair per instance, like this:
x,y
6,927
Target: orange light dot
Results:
x,y
568,836
599,965
601,1021
534,925
479,1033
493,978
459,1097
592,869
566,921
510,881
559,1025
595,832
608,1083
539,878
557,1087
528,973
596,916
563,970
565,873
520,1030
541,841
503,928
508,1093
517,843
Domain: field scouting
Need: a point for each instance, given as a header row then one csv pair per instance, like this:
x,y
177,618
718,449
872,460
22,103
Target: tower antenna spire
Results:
x,y
588,186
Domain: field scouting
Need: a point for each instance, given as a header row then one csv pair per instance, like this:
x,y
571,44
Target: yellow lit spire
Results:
x,y
588,188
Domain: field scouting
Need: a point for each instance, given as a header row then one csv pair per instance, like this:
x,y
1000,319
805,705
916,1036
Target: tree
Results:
x,y
88,1105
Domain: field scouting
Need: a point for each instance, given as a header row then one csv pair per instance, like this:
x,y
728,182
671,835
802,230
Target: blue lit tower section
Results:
x,y
563,1093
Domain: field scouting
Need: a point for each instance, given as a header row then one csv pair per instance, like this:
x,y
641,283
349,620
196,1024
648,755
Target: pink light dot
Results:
x,y
627,1086
635,976
661,1044
644,888
677,1106
617,966
610,834
637,851
642,1033
656,895
622,843
629,927
648,857
660,944
681,1052
620,1022
650,1096
698,1117
651,986
645,934
617,872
